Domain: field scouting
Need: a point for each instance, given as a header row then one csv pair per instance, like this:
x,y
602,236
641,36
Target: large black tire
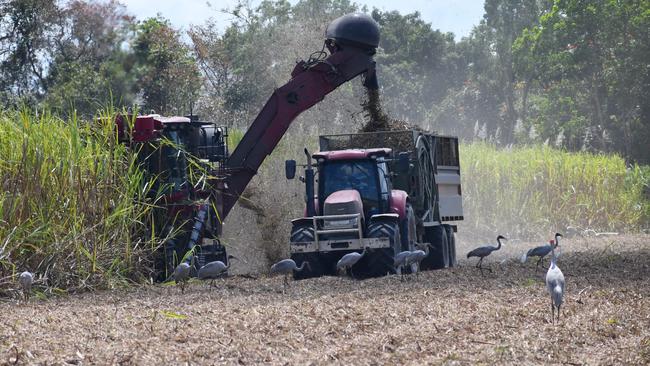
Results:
x,y
451,243
304,232
315,268
438,257
379,262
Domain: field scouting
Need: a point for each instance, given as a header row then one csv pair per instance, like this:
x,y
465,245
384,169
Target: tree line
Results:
x,y
570,73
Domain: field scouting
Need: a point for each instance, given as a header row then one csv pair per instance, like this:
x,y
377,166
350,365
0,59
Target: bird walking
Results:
x,y
26,279
349,260
401,261
286,267
416,257
542,251
555,286
482,252
213,270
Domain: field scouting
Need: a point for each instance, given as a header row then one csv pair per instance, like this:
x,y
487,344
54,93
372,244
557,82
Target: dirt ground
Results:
x,y
449,317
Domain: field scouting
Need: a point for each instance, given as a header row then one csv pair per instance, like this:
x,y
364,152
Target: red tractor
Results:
x,y
190,215
385,191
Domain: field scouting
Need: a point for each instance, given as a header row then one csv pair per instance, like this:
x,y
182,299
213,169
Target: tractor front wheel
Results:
x,y
379,262
304,232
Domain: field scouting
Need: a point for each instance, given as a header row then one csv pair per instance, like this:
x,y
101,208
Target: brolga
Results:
x,y
26,279
286,267
555,286
542,251
401,261
483,252
213,270
417,256
182,273
349,260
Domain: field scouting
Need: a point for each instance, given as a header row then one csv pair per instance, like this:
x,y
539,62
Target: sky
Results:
x,y
457,16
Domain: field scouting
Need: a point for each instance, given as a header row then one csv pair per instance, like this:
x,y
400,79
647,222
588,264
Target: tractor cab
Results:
x,y
353,181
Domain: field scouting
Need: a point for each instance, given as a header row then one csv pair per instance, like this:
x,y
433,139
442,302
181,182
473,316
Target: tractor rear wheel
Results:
x,y
379,262
303,232
438,258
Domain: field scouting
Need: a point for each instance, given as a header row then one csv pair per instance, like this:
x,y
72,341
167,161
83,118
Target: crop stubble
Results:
x,y
452,316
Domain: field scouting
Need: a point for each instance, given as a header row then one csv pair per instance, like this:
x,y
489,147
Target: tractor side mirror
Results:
x,y
290,168
403,162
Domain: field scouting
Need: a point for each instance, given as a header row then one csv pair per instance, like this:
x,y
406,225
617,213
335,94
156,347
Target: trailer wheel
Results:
x,y
303,232
439,256
379,262
451,243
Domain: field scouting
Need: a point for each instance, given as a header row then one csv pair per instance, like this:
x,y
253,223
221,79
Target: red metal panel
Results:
x,y
146,128
351,154
398,202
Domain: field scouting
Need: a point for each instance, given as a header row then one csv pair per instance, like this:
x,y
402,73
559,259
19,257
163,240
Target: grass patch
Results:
x,y
526,191
72,202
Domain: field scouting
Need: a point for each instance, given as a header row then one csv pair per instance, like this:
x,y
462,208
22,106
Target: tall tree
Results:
x,y
27,28
169,78
90,63
596,54
505,21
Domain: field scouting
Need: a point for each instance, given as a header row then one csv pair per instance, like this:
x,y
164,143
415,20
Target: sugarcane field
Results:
x,y
324,182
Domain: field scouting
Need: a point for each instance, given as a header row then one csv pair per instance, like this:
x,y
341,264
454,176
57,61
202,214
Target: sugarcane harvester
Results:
x,y
191,215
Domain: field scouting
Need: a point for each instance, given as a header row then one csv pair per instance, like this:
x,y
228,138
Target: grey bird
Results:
x,y
182,274
555,286
286,267
213,270
483,252
349,260
401,261
542,251
26,279
417,256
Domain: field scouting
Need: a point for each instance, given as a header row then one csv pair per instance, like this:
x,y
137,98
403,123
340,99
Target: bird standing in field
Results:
x,y
182,273
286,267
417,256
542,251
215,269
483,252
349,260
401,261
26,279
555,286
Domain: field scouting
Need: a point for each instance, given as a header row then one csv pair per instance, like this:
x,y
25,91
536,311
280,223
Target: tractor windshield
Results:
x,y
360,175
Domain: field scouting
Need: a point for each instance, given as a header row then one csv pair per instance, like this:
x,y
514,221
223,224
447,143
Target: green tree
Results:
x,y
169,80
91,65
27,30
595,53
